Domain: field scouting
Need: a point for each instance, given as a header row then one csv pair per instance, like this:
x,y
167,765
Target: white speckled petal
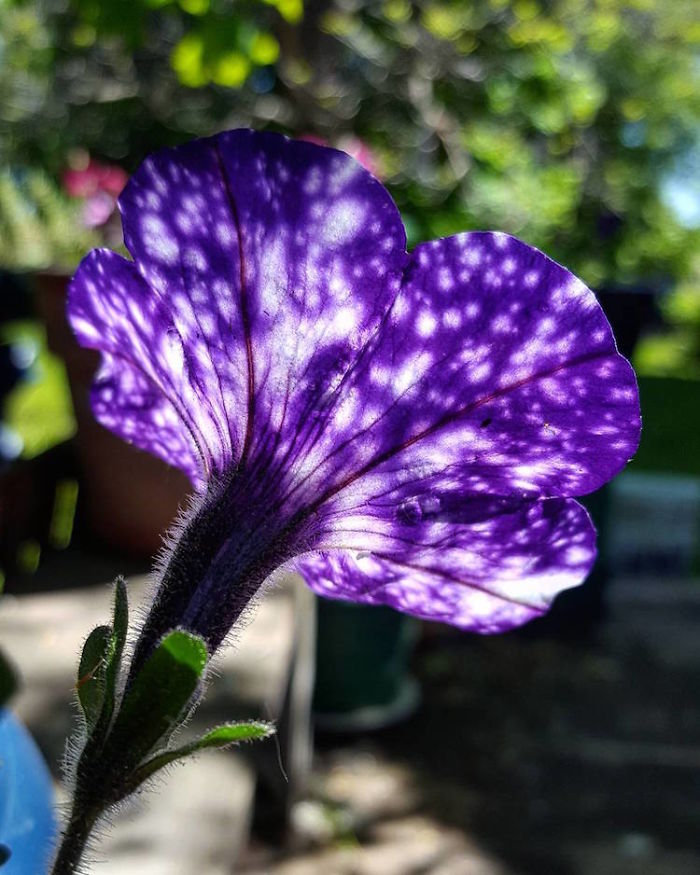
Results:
x,y
496,565
495,373
494,379
276,260
113,310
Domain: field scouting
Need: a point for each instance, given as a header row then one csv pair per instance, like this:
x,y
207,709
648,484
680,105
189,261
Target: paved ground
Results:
x,y
529,756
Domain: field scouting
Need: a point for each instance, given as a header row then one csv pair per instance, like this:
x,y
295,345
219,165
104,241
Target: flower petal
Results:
x,y
140,392
276,260
496,373
126,402
493,566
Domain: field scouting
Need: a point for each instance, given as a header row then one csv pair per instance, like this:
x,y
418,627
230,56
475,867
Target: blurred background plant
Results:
x,y
40,225
565,122
574,124
675,352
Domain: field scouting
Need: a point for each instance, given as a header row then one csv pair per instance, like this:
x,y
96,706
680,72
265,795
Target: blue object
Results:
x,y
27,823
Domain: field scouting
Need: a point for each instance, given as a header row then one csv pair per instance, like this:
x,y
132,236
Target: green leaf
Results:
x,y
159,695
120,622
91,674
233,733
8,680
120,625
113,657
219,737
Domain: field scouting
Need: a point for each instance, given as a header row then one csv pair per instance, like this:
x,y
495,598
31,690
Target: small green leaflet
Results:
x,y
100,663
91,674
221,736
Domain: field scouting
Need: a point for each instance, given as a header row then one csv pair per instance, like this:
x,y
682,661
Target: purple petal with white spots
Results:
x,y
495,373
491,565
276,260
433,410
498,379
112,309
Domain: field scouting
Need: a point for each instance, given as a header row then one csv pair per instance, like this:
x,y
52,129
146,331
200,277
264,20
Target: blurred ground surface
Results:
x,y
535,757
528,757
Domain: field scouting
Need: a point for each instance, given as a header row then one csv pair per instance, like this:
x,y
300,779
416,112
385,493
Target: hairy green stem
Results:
x,y
73,842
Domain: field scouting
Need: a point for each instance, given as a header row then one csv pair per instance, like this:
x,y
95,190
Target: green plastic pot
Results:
x,y
362,667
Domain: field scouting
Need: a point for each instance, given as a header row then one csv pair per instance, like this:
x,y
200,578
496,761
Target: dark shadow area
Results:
x,y
549,752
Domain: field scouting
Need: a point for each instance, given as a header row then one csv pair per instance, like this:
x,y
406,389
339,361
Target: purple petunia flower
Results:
x,y
402,429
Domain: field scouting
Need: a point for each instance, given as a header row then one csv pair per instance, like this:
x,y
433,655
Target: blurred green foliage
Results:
x,y
676,352
557,121
38,409
40,226
670,442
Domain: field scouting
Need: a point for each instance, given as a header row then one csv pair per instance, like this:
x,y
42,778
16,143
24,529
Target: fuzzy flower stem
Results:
x,y
226,547
87,806
74,841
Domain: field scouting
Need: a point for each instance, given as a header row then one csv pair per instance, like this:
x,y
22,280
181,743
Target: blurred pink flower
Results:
x,y
98,208
360,151
100,185
95,177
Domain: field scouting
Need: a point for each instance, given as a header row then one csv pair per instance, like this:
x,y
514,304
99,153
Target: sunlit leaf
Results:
x,y
159,694
220,737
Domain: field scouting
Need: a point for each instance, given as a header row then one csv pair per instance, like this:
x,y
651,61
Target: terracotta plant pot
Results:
x,y
130,496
